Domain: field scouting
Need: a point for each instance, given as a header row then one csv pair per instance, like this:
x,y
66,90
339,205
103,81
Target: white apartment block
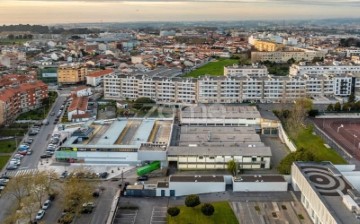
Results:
x,y
284,56
253,70
186,91
323,69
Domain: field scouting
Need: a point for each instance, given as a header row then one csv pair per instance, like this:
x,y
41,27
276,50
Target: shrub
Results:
x,y
173,211
192,200
207,209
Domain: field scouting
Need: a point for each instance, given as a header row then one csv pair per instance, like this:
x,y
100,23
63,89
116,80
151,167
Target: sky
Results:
x,y
78,11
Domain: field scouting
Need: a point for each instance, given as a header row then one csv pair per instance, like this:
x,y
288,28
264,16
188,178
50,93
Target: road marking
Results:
x,y
16,173
158,213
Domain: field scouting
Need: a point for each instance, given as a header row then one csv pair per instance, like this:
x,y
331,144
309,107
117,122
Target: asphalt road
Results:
x,y
31,161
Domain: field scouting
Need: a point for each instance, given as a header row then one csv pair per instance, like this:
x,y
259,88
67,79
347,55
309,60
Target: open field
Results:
x,y
315,144
223,214
346,132
3,161
215,68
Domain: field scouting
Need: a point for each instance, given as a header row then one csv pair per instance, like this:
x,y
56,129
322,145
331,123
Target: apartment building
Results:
x,y
261,45
223,89
19,98
284,56
71,74
253,70
96,78
319,69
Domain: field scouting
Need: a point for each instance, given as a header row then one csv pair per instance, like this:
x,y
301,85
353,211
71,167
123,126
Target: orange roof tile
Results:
x,y
100,73
78,103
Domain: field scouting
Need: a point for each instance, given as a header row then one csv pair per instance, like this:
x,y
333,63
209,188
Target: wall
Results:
x,y
186,188
285,139
260,186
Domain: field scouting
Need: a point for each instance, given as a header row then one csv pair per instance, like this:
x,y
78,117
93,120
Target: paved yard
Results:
x,y
158,215
270,212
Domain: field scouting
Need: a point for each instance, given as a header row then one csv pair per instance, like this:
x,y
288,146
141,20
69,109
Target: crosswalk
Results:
x,y
15,173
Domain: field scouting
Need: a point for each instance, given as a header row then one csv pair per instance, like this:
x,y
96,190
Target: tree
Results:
x,y
301,154
77,190
351,98
330,107
17,188
207,209
192,200
231,166
337,106
173,211
297,115
143,103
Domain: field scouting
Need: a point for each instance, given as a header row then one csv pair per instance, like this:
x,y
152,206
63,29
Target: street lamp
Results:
x,y
341,126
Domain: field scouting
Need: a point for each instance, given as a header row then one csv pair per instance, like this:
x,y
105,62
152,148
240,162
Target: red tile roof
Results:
x,y
79,88
100,73
78,103
75,116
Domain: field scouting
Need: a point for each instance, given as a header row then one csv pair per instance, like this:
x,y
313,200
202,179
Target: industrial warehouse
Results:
x,y
206,138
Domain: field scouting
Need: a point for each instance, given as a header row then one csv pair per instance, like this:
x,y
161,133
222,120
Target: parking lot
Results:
x,y
158,215
125,216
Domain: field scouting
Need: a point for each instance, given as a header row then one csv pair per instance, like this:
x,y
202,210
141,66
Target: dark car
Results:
x,y
143,178
104,175
44,156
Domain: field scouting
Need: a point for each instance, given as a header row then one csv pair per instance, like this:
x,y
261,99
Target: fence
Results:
x,y
338,148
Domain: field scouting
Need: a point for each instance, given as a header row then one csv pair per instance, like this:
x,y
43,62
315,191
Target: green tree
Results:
x,y
192,200
337,106
330,107
173,211
143,103
207,209
231,167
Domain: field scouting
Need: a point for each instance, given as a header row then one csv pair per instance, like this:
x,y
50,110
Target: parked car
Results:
x,y
104,175
18,156
40,214
87,207
46,204
29,152
52,113
23,152
44,156
142,178
50,153
11,167
15,162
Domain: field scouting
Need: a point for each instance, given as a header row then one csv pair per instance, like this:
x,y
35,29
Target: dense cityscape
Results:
x,y
180,122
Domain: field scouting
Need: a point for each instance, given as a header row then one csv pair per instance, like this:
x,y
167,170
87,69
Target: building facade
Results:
x,y
253,70
71,74
19,98
222,89
284,56
96,78
323,69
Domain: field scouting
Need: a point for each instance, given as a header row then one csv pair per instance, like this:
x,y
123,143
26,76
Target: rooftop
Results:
x,y
220,112
100,73
197,178
329,185
260,178
78,103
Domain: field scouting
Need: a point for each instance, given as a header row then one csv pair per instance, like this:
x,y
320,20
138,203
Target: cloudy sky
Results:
x,y
74,11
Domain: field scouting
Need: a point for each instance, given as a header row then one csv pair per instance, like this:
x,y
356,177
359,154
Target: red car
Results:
x,y
23,152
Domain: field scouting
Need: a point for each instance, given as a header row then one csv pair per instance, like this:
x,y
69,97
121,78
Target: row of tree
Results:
x,y
348,106
193,201
15,37
31,190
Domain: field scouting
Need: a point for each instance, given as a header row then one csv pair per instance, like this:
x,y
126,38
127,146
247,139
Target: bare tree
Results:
x,y
17,188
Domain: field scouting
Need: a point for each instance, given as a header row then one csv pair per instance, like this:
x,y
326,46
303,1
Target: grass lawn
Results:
x,y
215,68
4,146
314,143
13,41
12,131
3,161
223,214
